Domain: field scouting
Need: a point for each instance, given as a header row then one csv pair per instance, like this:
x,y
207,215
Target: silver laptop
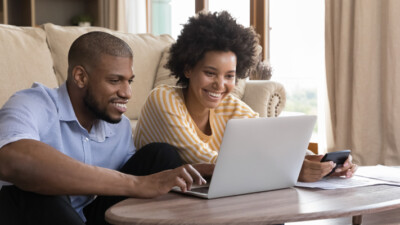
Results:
x,y
259,154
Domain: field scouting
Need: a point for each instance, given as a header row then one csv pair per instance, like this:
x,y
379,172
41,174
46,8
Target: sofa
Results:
x,y
39,54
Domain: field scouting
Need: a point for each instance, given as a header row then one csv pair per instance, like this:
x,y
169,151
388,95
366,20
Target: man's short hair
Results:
x,y
87,49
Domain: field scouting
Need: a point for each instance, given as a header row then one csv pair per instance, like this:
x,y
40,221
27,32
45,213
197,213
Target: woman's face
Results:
x,y
211,80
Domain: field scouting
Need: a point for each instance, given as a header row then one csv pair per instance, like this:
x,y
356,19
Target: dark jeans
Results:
x,y
27,208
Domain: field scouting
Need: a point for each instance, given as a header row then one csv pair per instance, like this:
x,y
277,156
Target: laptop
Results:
x,y
259,154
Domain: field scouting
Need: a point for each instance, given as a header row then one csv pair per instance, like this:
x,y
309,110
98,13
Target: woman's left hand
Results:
x,y
348,169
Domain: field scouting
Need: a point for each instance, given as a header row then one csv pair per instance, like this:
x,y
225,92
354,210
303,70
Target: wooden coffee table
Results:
x,y
272,207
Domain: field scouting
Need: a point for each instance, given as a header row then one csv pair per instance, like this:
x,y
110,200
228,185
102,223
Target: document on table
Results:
x,y
379,172
365,176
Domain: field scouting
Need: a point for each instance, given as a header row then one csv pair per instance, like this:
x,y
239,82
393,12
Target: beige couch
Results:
x,y
39,54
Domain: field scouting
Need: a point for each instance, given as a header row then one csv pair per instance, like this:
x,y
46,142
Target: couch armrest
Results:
x,y
266,97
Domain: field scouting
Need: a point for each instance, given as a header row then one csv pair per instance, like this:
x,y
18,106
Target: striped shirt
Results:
x,y
165,118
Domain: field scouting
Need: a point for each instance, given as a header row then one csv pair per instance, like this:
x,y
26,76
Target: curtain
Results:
x,y
136,16
113,14
363,79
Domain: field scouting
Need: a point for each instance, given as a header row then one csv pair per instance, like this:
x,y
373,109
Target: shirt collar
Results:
x,y
99,132
65,110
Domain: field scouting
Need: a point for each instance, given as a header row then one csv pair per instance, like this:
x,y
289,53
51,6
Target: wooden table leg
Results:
x,y
357,220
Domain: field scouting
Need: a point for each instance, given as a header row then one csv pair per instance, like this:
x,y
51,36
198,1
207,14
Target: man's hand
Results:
x,y
205,169
161,183
313,170
347,170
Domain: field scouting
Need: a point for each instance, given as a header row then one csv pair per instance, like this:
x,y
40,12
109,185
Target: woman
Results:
x,y
212,52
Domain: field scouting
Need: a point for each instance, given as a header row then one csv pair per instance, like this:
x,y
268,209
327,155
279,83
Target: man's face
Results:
x,y
109,89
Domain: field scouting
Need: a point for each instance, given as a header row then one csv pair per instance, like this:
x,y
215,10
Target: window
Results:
x,y
297,53
165,17
168,16
136,16
238,9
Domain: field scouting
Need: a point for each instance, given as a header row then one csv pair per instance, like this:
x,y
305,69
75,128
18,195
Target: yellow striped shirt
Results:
x,y
165,118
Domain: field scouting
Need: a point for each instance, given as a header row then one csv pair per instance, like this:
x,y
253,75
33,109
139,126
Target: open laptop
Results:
x,y
259,154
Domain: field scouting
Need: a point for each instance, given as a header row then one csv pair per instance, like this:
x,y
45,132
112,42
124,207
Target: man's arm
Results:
x,y
34,166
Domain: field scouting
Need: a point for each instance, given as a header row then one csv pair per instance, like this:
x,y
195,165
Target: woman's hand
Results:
x,y
348,169
313,169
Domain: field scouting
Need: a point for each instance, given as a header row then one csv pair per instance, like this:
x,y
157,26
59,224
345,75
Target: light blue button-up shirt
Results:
x,y
46,115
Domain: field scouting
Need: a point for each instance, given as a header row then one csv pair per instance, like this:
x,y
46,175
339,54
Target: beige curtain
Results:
x,y
363,79
113,14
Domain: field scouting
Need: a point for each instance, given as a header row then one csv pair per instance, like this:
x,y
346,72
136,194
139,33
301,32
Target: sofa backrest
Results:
x,y
147,50
24,58
40,55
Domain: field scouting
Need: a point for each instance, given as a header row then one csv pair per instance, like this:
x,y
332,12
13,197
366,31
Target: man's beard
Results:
x,y
92,105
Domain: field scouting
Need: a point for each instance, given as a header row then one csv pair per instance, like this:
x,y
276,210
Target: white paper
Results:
x,y
364,176
342,182
379,172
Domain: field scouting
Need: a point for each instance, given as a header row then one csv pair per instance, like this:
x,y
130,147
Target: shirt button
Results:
x,y
86,139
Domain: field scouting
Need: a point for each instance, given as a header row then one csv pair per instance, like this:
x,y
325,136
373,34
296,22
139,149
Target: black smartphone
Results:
x,y
338,157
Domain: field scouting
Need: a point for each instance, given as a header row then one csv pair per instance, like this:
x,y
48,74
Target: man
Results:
x,y
61,147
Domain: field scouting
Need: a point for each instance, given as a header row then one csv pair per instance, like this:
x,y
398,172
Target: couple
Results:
x,y
69,151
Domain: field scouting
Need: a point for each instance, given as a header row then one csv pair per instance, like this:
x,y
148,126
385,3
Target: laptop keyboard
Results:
x,y
200,190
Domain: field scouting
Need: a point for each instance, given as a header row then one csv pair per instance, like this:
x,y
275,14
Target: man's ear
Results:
x,y
79,76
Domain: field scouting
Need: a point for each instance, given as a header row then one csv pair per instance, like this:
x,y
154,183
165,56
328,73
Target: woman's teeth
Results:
x,y
215,95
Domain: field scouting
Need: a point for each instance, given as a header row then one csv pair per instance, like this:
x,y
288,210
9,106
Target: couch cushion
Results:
x,y
25,59
163,76
238,91
147,50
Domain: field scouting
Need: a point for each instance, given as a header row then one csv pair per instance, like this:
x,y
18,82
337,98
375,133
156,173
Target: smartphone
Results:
x,y
338,157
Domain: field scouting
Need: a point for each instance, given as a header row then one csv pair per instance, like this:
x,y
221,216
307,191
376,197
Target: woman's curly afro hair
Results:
x,y
212,32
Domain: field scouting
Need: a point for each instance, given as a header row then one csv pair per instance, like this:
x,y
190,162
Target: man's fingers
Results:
x,y
205,169
190,175
196,176
185,176
181,184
